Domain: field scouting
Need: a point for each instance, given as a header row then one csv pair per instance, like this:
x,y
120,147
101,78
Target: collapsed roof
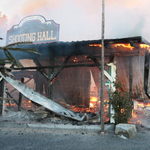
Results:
x,y
79,48
124,47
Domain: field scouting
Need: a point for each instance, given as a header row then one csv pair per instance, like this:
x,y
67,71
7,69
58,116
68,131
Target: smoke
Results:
x,y
3,24
126,18
81,20
31,6
3,20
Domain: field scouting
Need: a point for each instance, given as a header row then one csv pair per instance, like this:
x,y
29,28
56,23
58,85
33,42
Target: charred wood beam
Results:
x,y
24,73
105,72
57,66
60,68
50,84
146,74
24,83
8,94
1,95
40,69
96,63
130,77
128,55
8,99
20,96
135,44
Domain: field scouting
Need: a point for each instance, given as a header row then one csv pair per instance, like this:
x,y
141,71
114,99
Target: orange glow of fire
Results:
x,y
98,45
27,104
124,45
91,105
139,122
11,104
107,106
7,104
140,104
52,80
106,118
75,59
134,115
135,122
122,110
93,99
145,46
77,109
147,105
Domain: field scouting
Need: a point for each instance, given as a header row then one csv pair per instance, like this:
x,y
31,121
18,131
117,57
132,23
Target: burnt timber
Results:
x,y
79,48
134,77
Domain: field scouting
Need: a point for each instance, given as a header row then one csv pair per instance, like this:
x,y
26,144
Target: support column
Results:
x,y
1,95
50,75
20,97
3,108
130,77
112,88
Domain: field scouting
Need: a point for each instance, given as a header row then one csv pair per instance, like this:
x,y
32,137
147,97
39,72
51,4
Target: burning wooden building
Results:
x,y
69,72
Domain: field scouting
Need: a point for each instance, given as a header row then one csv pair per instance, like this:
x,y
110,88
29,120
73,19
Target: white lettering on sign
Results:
x,y
32,37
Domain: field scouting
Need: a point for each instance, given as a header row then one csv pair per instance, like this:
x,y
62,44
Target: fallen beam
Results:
x,y
42,100
8,99
56,66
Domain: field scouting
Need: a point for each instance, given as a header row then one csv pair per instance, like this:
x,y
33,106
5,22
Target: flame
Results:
x,y
134,115
145,46
52,80
6,104
139,107
147,105
124,45
91,105
138,122
93,99
106,117
99,45
28,104
106,105
122,110
141,104
75,59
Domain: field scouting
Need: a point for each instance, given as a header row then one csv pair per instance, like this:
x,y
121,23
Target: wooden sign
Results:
x,y
35,29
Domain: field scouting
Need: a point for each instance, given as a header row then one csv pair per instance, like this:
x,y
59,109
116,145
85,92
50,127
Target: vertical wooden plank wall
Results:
x,y
122,64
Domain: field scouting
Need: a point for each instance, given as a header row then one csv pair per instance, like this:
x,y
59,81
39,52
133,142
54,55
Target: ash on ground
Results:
x,y
42,115
141,118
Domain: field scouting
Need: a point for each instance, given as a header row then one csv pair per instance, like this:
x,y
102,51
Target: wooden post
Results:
x,y
50,84
130,78
102,71
20,97
1,95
